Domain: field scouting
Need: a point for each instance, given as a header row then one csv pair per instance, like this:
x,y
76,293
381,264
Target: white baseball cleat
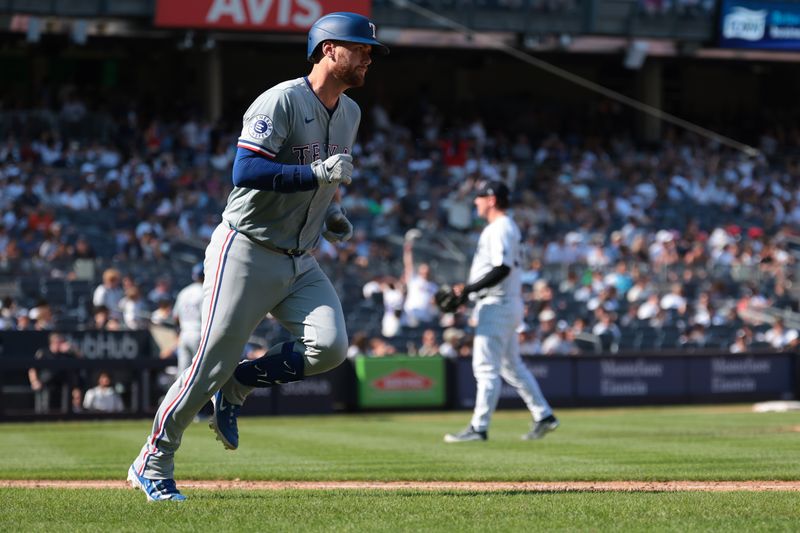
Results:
x,y
468,435
542,428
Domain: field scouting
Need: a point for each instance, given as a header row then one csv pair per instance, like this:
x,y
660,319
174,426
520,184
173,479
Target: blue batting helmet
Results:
x,y
343,26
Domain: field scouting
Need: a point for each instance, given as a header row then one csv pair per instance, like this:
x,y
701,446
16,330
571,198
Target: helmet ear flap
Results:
x,y
319,52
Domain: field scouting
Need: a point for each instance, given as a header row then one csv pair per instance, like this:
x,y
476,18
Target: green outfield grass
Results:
x,y
698,443
687,443
362,511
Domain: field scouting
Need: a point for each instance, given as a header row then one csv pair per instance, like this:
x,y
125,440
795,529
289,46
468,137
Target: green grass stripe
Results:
x,y
297,510
684,443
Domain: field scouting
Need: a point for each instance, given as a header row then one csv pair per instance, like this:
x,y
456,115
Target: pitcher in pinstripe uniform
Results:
x,y
494,283
293,153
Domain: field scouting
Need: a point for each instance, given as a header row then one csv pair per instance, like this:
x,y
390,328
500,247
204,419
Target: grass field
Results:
x,y
688,443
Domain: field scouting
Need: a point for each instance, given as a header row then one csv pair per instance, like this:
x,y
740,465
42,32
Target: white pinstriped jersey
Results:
x,y
499,244
290,125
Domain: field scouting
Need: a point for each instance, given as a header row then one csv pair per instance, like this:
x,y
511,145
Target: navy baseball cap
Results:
x,y
494,188
197,271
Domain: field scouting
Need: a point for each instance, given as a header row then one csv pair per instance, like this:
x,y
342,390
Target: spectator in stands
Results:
x,y
750,304
650,308
100,318
560,342
359,345
458,208
419,306
704,312
109,293
743,340
547,323
695,337
393,298
674,299
162,314
529,345
50,384
778,336
76,401
83,249
161,291
641,289
135,312
620,279
452,339
103,398
607,330
661,319
41,316
568,285
378,347
541,298
8,310
429,346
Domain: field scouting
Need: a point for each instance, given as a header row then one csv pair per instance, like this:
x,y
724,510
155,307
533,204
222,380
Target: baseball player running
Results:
x,y
494,280
293,153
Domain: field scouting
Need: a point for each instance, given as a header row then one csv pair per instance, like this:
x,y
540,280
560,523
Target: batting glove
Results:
x,y
334,170
336,227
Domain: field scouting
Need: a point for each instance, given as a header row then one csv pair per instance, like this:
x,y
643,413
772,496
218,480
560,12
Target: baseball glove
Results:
x,y
447,300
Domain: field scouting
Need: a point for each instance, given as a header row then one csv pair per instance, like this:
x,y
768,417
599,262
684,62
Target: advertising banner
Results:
x,y
400,381
742,375
91,344
631,377
260,402
272,15
760,25
312,395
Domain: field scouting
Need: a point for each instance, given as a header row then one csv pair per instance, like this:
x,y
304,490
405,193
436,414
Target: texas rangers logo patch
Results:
x,y
260,127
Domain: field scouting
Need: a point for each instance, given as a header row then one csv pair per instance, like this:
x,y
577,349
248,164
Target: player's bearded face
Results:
x,y
351,64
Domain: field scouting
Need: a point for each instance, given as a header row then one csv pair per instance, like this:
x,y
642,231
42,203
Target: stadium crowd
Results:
x,y
685,244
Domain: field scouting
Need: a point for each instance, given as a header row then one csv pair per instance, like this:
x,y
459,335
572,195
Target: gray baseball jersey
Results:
x,y
290,125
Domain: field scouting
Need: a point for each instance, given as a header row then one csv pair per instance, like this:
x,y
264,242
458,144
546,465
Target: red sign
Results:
x,y
275,15
403,379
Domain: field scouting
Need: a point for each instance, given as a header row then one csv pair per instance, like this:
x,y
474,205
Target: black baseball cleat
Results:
x,y
468,435
541,428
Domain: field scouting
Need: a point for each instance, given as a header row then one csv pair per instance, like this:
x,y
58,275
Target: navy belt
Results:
x,y
291,252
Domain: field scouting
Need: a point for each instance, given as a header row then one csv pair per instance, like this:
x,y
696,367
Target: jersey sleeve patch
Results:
x,y
260,127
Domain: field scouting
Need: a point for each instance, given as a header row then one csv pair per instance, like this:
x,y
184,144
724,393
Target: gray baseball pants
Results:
x,y
244,282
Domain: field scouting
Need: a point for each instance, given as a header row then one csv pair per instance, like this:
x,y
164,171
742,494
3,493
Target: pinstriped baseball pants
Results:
x,y
495,355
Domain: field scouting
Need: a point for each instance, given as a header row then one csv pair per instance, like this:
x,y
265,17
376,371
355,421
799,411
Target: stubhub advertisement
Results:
x,y
760,25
